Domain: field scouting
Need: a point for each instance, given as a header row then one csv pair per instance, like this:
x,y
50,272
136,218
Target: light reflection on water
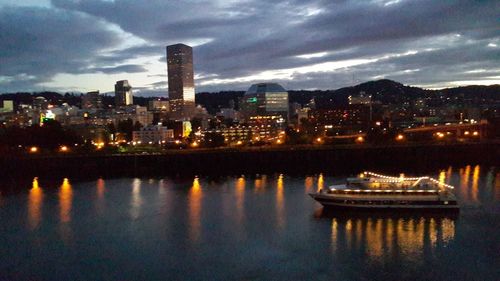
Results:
x,y
243,222
195,205
321,182
65,201
136,202
280,202
35,198
386,236
309,183
100,202
240,199
65,208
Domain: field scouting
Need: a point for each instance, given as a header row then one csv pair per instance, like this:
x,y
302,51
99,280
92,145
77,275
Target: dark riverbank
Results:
x,y
311,159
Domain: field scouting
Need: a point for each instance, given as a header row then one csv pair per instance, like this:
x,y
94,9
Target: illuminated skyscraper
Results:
x,y
180,81
123,93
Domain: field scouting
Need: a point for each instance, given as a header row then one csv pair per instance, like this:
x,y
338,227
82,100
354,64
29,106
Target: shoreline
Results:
x,y
224,161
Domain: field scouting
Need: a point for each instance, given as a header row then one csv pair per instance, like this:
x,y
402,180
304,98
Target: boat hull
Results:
x,y
331,202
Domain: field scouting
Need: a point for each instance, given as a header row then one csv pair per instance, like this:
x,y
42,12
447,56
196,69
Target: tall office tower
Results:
x,y
92,100
123,93
180,81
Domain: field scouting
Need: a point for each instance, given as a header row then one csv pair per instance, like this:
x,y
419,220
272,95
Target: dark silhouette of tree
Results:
x,y
195,123
213,139
126,127
50,136
294,137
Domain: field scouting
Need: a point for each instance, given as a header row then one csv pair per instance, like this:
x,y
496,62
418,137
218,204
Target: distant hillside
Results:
x,y
385,91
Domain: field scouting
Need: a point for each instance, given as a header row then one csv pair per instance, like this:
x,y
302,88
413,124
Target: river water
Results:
x,y
249,227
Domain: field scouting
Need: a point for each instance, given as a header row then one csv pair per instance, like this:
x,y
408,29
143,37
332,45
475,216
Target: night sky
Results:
x,y
71,45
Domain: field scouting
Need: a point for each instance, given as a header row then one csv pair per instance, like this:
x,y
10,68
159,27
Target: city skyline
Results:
x,y
88,45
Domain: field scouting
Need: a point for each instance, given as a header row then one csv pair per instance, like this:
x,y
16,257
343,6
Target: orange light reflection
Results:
x,y
194,197
65,201
280,203
35,199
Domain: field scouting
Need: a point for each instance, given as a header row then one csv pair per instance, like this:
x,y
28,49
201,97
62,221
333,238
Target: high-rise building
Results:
x,y
123,93
92,100
180,81
265,100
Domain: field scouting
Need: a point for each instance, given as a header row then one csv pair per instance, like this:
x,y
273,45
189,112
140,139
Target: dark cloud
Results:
x,y
127,68
242,38
40,42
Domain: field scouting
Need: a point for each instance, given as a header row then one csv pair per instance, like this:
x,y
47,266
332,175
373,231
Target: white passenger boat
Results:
x,y
374,191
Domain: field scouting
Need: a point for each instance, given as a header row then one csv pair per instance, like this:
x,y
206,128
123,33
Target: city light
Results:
x,y
360,139
278,141
63,148
476,133
33,149
400,137
194,144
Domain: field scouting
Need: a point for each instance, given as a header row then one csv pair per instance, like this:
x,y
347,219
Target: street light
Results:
x,y
33,149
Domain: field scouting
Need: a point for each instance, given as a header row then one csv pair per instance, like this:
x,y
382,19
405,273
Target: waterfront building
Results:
x,y
134,112
180,81
123,93
242,134
351,118
153,134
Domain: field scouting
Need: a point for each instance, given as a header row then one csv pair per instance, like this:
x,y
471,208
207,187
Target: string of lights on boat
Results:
x,y
390,179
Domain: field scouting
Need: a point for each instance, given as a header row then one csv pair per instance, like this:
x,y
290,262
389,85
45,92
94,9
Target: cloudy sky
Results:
x,y
84,45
